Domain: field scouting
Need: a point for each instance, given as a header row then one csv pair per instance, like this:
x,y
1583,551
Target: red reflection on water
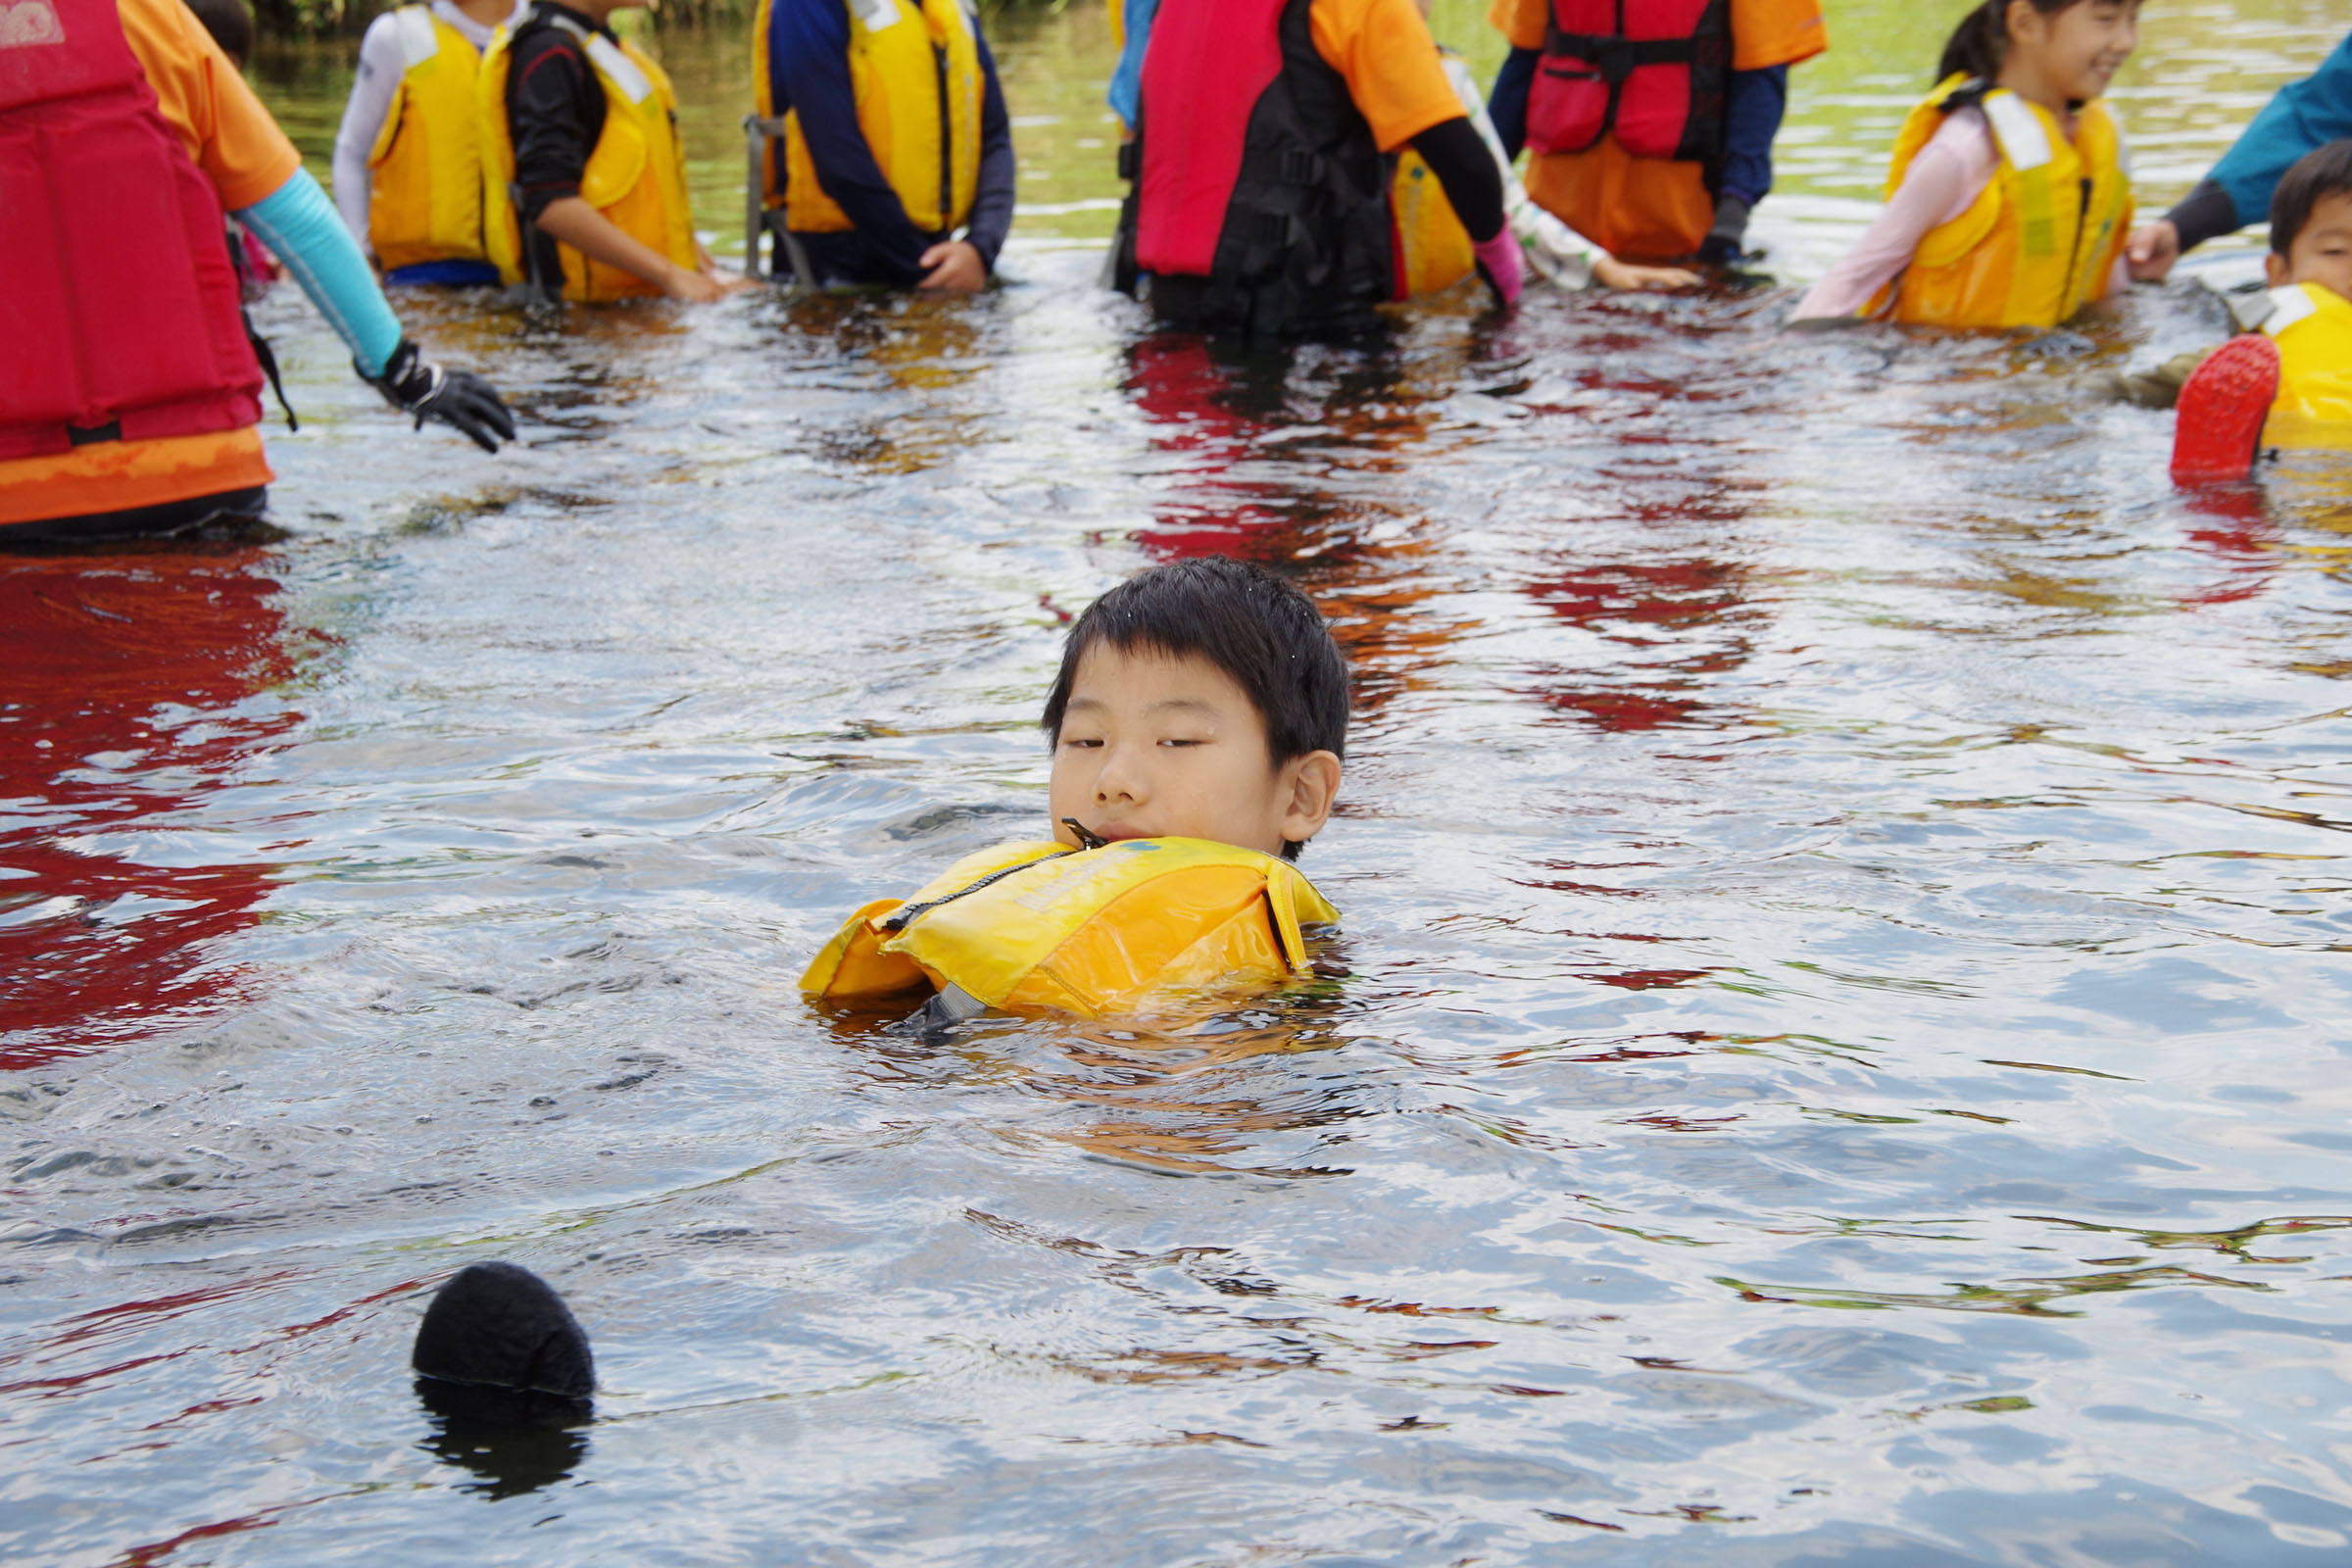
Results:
x,y
1270,472
132,688
1681,616
1193,402
2233,525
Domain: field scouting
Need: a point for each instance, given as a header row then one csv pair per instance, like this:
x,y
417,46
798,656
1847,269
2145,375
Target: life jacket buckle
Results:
x,y
1614,60
88,435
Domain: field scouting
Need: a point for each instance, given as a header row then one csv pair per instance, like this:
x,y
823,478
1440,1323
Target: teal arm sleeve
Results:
x,y
299,223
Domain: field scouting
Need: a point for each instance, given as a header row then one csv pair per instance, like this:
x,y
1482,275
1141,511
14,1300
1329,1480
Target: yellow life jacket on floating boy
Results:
x,y
2038,241
636,174
1099,932
424,193
2313,329
915,71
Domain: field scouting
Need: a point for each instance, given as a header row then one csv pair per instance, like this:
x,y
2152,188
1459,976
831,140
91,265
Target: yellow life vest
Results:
x,y
914,69
2038,241
2313,329
636,174
424,192
1041,927
1433,248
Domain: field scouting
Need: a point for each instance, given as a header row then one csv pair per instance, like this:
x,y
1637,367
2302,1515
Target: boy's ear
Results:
x,y
2274,269
1310,784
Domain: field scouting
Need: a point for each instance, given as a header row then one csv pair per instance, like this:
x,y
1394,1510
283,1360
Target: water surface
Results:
x,y
1835,1052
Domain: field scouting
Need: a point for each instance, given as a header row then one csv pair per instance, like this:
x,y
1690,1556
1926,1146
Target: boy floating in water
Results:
x,y
1198,727
2290,382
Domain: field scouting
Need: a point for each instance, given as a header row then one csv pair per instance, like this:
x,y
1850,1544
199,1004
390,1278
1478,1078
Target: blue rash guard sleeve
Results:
x,y
2301,116
1127,82
1754,103
808,58
299,223
1506,104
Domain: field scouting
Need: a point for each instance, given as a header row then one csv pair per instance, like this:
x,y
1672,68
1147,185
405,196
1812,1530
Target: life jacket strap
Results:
x,y
1616,58
268,357
1287,166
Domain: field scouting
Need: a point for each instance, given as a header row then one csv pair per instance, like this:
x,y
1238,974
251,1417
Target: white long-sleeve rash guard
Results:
x,y
381,65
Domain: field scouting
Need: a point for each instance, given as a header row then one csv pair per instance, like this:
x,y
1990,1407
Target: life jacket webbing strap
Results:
x,y
1617,57
2289,306
1290,165
268,356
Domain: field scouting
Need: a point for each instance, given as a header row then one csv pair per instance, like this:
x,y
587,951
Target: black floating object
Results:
x,y
501,1326
504,1368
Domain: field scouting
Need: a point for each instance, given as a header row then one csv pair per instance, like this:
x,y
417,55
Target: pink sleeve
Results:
x,y
1948,174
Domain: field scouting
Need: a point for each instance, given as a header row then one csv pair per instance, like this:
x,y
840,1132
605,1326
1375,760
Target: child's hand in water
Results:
x,y
704,287
954,266
2152,251
1610,272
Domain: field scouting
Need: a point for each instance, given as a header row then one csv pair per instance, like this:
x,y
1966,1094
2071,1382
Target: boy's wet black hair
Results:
x,y
2322,171
230,24
1250,623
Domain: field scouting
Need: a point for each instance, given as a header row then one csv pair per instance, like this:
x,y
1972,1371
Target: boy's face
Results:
x,y
2323,253
1157,747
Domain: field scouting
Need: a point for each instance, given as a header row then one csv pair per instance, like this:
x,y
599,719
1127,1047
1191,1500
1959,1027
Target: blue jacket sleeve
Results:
x,y
2302,116
299,223
992,203
1754,105
1506,104
1127,82
808,58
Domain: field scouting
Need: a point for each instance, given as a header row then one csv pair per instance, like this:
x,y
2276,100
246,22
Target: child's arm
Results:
x,y
1946,176
381,65
2302,116
572,220
548,94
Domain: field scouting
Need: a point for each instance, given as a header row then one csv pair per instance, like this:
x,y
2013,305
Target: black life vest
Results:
x,y
1654,72
1262,204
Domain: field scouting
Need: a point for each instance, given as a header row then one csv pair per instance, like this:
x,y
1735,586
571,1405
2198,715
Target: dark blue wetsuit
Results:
x,y
2302,118
809,71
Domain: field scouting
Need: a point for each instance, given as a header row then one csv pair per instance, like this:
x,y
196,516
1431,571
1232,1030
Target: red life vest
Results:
x,y
118,306
1262,186
1652,71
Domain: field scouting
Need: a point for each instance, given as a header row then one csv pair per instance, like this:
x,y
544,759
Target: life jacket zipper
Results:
x,y
947,140
2074,254
900,918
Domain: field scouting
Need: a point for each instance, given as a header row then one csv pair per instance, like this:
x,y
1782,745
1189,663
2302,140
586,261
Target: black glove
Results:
x,y
1726,243
457,398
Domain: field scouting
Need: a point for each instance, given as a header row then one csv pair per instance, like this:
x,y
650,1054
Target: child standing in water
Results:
x,y
583,174
2009,203
408,156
